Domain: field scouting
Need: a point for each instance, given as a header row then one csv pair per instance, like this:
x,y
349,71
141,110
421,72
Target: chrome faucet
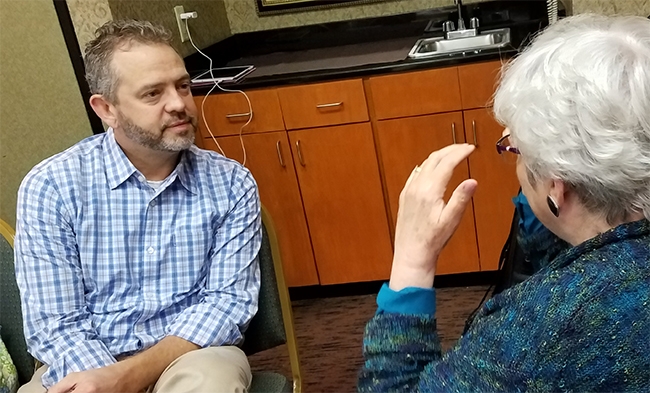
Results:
x,y
461,22
462,31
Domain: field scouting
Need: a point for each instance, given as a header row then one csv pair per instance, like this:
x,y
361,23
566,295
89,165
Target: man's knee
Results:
x,y
35,385
213,369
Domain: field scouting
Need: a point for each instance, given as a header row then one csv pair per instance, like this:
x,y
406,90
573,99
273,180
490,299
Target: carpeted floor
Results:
x,y
330,331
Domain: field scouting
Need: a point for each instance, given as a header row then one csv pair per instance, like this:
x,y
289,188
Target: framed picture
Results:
x,y
272,7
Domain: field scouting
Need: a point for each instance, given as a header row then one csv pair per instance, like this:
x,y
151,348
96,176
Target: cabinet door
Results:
x,y
405,143
341,190
227,113
478,83
268,157
497,184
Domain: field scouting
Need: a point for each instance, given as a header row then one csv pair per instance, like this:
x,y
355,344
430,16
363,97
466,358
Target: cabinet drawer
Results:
x,y
323,104
478,83
415,93
227,113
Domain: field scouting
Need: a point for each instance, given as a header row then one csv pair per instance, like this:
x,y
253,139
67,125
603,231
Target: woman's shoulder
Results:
x,y
622,255
616,271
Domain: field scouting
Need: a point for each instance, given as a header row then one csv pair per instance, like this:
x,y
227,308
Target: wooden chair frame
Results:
x,y
285,302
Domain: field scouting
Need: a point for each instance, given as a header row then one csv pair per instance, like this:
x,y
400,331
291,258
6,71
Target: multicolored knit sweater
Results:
x,y
581,324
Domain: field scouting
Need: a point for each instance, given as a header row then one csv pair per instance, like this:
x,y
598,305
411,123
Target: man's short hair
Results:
x,y
102,78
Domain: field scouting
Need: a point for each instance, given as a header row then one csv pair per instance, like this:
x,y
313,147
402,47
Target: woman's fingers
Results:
x,y
423,211
452,213
434,158
424,222
436,171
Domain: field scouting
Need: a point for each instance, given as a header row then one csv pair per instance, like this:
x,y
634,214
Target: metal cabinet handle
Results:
x,y
230,116
302,162
277,147
329,105
453,132
474,131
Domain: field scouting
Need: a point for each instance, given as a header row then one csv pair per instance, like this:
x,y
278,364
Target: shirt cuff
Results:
x,y
87,355
410,300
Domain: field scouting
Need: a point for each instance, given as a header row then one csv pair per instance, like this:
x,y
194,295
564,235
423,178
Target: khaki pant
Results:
x,y
207,370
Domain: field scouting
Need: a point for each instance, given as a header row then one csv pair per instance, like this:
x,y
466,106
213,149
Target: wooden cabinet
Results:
x,y
342,195
497,184
227,113
268,157
405,143
415,93
331,159
478,83
408,137
323,104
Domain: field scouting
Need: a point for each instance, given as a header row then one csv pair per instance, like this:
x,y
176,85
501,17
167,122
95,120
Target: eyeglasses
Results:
x,y
503,144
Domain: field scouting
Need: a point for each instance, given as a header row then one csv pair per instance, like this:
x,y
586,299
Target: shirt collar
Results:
x,y
185,170
119,168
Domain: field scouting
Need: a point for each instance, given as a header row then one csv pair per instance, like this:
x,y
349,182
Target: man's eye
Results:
x,y
185,86
152,94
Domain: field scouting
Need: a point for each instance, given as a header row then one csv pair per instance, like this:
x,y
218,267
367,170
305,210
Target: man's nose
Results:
x,y
175,102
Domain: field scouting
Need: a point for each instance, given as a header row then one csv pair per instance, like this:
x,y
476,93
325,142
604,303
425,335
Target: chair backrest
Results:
x,y
273,323
266,329
11,318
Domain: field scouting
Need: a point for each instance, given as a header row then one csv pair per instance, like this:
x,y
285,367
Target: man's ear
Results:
x,y
104,109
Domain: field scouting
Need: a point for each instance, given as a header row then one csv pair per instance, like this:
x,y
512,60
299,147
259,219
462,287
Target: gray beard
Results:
x,y
161,142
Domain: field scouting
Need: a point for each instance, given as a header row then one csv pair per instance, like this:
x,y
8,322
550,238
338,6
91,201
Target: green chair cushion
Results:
x,y
266,329
268,382
11,318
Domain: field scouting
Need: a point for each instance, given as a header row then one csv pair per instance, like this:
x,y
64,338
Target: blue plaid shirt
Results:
x,y
107,266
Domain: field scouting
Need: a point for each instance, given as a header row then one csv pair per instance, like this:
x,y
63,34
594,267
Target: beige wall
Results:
x,y
220,18
87,16
243,16
611,7
211,26
41,109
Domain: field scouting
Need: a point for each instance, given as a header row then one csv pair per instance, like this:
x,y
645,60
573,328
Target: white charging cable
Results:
x,y
250,118
185,17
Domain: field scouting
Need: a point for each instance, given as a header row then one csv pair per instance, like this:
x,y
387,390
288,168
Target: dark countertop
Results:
x,y
362,47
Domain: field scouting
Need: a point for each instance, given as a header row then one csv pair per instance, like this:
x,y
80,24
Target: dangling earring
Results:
x,y
552,205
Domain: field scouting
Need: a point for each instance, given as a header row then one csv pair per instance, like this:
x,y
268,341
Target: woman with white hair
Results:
x,y
576,107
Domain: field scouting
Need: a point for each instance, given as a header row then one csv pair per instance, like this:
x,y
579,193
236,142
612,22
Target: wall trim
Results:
x,y
71,42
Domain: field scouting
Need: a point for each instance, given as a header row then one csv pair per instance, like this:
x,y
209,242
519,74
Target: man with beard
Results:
x,y
135,250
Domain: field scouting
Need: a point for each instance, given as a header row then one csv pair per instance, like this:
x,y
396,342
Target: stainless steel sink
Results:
x,y
439,46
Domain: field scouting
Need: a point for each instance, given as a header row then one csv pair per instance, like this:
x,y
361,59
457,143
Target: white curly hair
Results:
x,y
577,103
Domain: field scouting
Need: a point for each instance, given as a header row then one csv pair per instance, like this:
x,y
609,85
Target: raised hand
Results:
x,y
424,221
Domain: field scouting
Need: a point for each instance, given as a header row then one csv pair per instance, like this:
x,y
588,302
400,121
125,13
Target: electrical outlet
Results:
x,y
182,27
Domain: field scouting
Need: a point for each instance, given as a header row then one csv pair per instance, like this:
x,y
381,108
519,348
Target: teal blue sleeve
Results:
x,y
409,301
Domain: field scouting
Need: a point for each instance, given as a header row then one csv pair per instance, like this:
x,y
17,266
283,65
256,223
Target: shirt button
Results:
x,y
150,250
139,328
152,203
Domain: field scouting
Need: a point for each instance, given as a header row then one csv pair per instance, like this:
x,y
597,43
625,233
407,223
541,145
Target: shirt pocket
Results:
x,y
184,267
